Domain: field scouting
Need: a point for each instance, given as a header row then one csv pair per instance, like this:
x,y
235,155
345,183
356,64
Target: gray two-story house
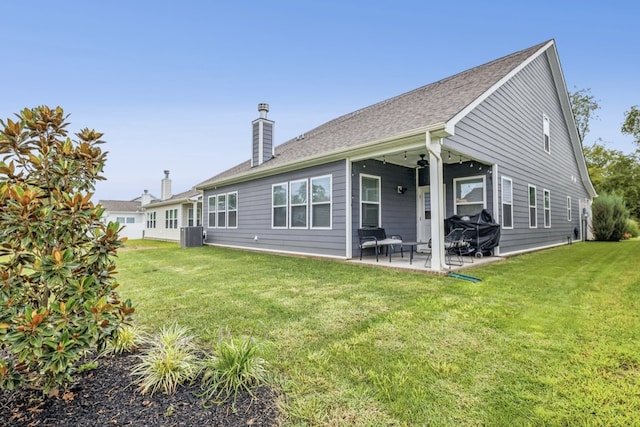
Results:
x,y
499,137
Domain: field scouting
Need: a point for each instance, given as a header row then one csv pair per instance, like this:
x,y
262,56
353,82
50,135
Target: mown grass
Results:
x,y
548,338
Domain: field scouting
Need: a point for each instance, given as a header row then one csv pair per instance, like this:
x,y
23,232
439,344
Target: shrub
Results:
x,y
609,217
234,367
169,359
632,228
57,283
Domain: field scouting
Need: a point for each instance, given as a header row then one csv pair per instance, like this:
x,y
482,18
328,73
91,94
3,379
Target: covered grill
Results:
x,y
482,233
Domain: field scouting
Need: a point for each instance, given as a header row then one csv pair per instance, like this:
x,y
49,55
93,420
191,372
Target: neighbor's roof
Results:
x,y
176,198
120,205
428,105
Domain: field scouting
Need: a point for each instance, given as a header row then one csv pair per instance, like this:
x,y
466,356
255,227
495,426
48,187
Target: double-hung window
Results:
x,y
222,210
171,218
194,220
279,208
298,199
568,208
302,203
507,203
369,201
232,210
151,219
469,195
321,202
533,208
547,208
213,203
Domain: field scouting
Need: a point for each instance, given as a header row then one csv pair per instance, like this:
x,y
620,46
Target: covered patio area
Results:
x,y
413,186
422,263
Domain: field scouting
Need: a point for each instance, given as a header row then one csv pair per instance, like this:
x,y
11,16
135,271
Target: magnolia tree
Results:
x,y
57,283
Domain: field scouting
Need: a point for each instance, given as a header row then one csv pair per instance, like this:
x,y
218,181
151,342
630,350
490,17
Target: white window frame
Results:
x,y
190,218
507,202
456,203
212,213
193,219
533,206
151,219
234,210
546,133
305,203
171,219
369,202
314,204
222,203
569,208
284,185
546,203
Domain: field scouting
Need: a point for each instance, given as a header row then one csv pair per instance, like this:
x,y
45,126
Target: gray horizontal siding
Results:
x,y
506,129
267,134
398,211
254,217
256,144
465,170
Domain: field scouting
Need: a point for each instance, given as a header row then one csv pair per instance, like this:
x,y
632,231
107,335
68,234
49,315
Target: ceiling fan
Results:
x,y
422,162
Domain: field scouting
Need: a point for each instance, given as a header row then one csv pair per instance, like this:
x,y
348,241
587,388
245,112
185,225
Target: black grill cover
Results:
x,y
483,231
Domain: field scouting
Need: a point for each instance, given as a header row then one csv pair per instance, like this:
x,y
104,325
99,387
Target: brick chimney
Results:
x,y
165,187
262,148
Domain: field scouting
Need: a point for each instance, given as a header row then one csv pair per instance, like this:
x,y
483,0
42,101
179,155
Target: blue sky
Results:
x,y
175,85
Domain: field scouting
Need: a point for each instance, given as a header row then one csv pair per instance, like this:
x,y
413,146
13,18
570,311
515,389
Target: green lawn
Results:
x,y
548,338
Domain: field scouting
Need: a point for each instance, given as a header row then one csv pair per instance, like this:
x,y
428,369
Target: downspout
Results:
x,y
436,179
348,208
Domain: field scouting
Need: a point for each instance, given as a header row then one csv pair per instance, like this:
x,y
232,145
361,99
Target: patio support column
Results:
x,y
436,178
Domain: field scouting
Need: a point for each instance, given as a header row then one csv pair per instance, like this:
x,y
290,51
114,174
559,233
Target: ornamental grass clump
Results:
x,y
234,367
168,360
127,339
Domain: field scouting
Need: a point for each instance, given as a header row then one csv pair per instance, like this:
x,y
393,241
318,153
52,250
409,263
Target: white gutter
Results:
x,y
436,179
359,152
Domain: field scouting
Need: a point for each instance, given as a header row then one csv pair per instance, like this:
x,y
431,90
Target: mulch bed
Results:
x,y
105,397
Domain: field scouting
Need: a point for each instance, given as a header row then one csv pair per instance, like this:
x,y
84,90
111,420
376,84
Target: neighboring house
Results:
x,y
128,213
165,217
500,137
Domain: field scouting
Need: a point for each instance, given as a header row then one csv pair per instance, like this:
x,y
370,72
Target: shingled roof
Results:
x,y
176,198
120,205
428,105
